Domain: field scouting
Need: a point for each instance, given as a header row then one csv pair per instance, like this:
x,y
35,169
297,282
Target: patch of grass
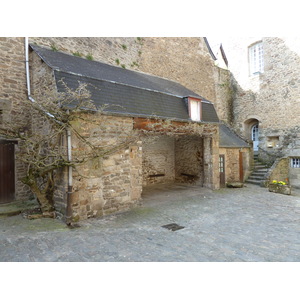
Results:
x,y
140,40
117,61
77,54
123,66
124,47
54,48
134,64
89,57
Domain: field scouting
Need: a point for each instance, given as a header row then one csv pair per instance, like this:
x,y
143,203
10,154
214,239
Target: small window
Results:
x,y
256,58
295,162
195,109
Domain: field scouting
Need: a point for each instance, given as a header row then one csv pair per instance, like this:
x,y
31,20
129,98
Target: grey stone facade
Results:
x,y
271,98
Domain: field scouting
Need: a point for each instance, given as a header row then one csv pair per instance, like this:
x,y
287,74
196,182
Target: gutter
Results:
x,y
69,140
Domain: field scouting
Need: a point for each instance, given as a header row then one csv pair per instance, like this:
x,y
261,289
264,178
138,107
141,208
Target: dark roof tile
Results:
x,y
124,91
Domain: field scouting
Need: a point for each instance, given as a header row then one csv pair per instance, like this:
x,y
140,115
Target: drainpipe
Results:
x,y
70,180
27,70
69,141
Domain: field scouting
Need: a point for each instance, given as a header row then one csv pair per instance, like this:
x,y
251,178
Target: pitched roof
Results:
x,y
229,139
124,91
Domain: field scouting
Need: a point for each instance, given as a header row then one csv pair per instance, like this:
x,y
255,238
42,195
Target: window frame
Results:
x,y
199,106
256,58
295,162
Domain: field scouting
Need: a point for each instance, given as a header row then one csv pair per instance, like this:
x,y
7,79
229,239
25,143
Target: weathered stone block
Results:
x,y
235,184
281,189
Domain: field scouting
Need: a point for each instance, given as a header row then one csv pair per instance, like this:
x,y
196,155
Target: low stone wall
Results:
x,y
279,171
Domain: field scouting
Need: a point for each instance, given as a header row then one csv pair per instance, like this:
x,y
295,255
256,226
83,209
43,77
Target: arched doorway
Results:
x,y
251,131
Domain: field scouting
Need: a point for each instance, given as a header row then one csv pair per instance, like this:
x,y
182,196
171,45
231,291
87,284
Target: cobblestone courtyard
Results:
x,y
229,225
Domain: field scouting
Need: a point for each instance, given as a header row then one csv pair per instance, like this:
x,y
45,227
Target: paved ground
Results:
x,y
248,224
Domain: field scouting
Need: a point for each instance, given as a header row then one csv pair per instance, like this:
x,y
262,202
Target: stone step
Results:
x,y
255,177
253,181
260,166
258,173
265,170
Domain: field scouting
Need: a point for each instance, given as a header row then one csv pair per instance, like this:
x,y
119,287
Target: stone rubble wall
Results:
x,y
43,86
185,60
111,183
271,97
13,97
232,163
158,160
189,159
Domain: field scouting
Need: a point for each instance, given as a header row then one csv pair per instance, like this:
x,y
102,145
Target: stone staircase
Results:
x,y
258,173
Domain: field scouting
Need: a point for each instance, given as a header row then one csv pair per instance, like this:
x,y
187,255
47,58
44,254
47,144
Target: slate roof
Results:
x,y
125,92
229,139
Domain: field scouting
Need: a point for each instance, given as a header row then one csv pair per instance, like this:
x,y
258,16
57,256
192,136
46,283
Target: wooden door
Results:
x,y
241,167
7,171
222,169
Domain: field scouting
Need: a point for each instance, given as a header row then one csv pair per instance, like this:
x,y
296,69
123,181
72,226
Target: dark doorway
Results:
x,y
241,166
222,170
7,171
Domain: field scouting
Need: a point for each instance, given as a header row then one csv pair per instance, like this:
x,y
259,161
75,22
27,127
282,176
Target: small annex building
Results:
x,y
235,156
177,129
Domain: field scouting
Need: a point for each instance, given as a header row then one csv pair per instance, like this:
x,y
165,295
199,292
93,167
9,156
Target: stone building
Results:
x,y
185,144
186,148
266,97
235,157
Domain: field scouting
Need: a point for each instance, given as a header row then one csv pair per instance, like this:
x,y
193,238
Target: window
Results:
x,y
256,58
195,109
295,162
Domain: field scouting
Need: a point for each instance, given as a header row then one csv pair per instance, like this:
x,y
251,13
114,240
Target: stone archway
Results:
x,y
251,132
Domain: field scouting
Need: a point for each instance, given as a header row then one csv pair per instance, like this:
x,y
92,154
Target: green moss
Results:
x,y
75,218
54,48
77,54
89,57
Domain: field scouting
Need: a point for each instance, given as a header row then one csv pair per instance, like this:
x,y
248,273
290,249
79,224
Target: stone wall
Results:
x,y
282,171
43,87
112,182
189,159
279,171
232,163
224,95
272,97
13,108
158,160
119,51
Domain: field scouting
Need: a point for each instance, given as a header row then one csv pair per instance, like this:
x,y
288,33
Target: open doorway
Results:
x,y
173,159
7,171
251,131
